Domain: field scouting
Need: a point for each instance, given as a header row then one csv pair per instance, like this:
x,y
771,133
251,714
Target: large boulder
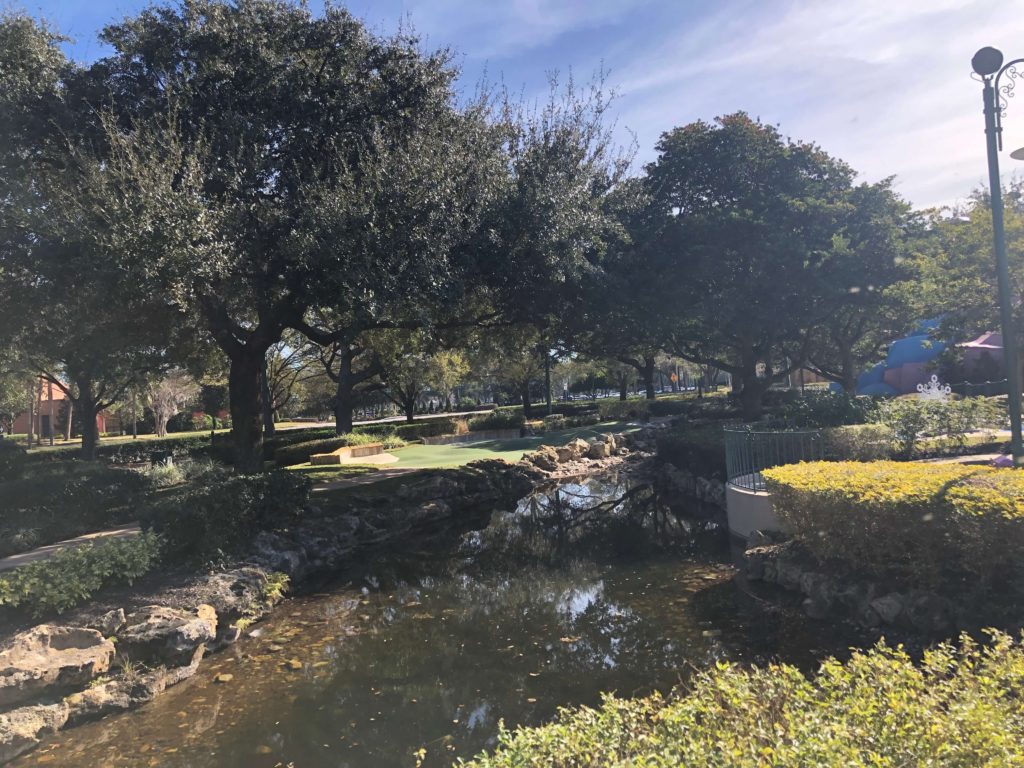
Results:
x,y
22,729
51,658
545,458
598,450
167,635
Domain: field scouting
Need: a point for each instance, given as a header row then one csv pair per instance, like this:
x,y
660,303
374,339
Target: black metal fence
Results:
x,y
982,389
748,451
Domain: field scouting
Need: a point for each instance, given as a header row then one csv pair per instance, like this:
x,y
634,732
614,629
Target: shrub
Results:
x,y
60,500
623,410
828,409
557,421
959,707
858,442
497,419
13,459
73,575
697,449
300,452
202,522
921,524
912,418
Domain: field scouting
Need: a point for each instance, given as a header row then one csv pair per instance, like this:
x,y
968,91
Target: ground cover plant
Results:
x,y
959,707
947,526
73,575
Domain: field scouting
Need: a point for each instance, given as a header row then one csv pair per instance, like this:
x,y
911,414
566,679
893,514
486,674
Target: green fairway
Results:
x,y
456,454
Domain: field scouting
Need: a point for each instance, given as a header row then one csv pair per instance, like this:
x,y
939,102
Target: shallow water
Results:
x,y
566,596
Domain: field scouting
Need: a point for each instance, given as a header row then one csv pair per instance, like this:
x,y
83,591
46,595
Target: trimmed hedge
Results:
x,y
497,419
921,524
73,575
13,460
193,444
299,453
959,707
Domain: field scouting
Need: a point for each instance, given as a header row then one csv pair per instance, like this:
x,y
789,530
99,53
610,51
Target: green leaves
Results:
x,y
959,707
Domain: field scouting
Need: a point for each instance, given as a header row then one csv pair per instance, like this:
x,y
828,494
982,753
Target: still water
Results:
x,y
588,587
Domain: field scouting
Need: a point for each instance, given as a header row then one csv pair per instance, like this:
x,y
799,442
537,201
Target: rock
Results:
x,y
224,678
609,440
579,447
545,458
22,729
166,635
621,452
565,454
48,658
888,607
598,450
755,560
126,692
294,664
929,613
788,573
110,622
816,608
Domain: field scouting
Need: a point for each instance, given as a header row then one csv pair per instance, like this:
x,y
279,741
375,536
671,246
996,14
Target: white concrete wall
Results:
x,y
749,511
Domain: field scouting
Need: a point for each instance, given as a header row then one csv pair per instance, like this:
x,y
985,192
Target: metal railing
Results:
x,y
748,451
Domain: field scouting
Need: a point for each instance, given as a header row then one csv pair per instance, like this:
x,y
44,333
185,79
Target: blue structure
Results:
x,y
905,366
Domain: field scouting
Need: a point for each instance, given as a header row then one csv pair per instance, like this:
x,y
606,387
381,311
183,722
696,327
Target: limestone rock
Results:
x,y
22,729
167,635
565,454
609,440
110,622
888,607
49,657
598,450
579,447
545,458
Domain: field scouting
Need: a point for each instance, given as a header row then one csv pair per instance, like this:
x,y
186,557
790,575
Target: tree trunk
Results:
x,y
70,416
246,409
524,393
849,372
751,396
623,388
648,374
547,382
410,409
344,402
86,403
268,405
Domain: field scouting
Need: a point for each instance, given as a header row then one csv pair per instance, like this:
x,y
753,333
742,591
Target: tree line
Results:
x,y
239,184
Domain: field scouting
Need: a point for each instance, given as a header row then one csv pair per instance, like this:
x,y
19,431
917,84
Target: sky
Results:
x,y
883,84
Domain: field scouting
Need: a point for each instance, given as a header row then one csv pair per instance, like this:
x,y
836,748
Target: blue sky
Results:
x,y
885,85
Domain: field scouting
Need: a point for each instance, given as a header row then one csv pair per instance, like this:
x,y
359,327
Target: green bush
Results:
x,y
13,459
697,449
61,500
922,525
625,410
911,419
202,522
858,442
73,575
557,421
497,419
958,707
299,453
828,409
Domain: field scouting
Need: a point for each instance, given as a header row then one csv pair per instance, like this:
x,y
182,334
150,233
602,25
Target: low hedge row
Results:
x,y
299,453
933,525
697,449
959,707
72,576
193,444
497,419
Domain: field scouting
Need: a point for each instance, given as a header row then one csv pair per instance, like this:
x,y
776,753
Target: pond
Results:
x,y
588,587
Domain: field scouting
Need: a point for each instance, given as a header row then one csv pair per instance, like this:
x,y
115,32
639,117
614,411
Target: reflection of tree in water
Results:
x,y
597,517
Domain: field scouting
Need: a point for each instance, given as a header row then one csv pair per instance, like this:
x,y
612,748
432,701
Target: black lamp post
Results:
x,y
988,63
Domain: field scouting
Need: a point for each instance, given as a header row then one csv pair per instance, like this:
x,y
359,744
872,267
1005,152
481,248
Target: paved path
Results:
x,y
44,553
367,479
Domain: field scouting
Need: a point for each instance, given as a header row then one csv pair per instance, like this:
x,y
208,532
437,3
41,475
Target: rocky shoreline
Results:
x,y
129,645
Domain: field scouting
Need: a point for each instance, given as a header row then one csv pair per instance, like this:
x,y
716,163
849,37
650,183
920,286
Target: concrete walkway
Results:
x,y
367,479
44,553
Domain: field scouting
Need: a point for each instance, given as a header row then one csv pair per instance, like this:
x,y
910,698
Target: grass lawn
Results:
x,y
456,454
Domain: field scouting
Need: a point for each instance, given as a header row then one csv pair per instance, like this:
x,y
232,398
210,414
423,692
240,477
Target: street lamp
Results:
x,y
988,63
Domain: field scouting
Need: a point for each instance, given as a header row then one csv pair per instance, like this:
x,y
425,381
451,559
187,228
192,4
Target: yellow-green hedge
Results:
x,y
926,524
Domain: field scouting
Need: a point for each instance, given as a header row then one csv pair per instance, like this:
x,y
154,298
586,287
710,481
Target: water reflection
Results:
x,y
530,614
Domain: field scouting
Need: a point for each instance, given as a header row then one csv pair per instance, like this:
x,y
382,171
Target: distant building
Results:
x,y
52,414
